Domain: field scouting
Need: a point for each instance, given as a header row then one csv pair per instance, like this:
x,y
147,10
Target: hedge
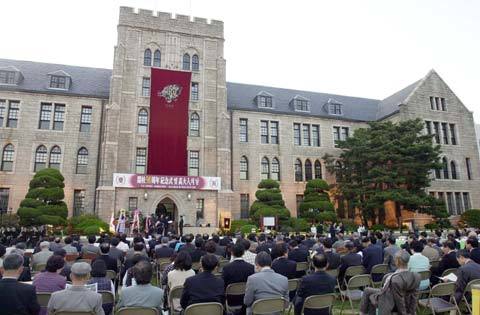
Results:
x,y
472,218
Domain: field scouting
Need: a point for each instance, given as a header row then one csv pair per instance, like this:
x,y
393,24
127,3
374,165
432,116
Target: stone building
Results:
x,y
239,133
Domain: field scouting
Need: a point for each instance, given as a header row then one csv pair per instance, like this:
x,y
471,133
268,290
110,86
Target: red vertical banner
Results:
x,y
168,129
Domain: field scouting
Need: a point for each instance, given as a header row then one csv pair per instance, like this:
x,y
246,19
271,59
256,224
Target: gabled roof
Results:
x,y
59,73
241,97
389,105
91,82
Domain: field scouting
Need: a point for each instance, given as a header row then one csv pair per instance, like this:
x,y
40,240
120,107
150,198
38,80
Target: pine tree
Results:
x,y
44,203
316,205
269,201
387,162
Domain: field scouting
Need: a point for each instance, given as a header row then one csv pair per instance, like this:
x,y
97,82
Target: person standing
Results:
x,y
16,298
180,225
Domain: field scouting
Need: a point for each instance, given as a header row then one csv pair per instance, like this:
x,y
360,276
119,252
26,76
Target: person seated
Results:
x,y
472,246
265,283
469,270
372,255
26,275
132,251
15,297
282,264
90,248
69,249
398,293
55,244
77,297
130,262
448,261
42,256
333,258
99,276
162,250
348,260
198,253
182,270
128,279
430,250
315,284
114,252
110,262
188,246
205,286
211,248
389,253
143,294
237,271
418,262
50,280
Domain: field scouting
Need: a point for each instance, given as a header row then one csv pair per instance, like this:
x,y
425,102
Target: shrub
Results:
x,y
87,224
43,202
269,202
299,225
327,216
236,225
10,220
247,229
431,226
378,227
472,218
316,202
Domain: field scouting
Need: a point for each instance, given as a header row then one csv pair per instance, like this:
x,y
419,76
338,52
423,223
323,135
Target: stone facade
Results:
x,y
115,136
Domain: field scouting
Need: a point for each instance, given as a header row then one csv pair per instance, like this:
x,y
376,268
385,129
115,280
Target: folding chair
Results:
x,y
435,301
449,271
269,306
70,258
302,266
468,289
174,300
43,298
137,311
112,275
380,269
107,297
424,275
73,313
434,264
38,267
353,292
292,287
334,273
222,263
384,279
196,266
353,271
234,289
204,308
318,302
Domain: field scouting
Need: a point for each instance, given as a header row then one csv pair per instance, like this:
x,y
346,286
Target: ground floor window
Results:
x,y
132,203
78,202
4,194
244,206
200,209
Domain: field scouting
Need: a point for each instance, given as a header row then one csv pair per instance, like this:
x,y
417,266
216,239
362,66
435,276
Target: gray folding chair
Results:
x,y
73,313
174,297
380,269
353,291
318,302
137,311
269,306
468,289
204,308
43,298
234,289
435,301
292,287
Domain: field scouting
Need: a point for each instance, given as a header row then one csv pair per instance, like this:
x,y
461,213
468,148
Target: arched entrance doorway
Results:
x,y
167,208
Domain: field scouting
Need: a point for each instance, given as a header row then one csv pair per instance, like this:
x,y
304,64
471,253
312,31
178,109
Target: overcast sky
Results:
x,y
368,48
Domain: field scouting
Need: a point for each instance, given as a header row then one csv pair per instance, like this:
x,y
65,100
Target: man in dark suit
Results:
x,y
114,252
262,245
449,260
472,246
188,246
237,271
198,252
204,287
315,284
282,264
163,250
16,298
110,262
297,253
333,258
350,259
309,241
372,255
468,271
219,249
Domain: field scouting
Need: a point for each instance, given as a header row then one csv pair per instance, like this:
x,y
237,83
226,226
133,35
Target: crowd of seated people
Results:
x,y
204,266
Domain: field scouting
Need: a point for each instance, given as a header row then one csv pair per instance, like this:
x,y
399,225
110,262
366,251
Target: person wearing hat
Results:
x,y
42,256
77,297
399,292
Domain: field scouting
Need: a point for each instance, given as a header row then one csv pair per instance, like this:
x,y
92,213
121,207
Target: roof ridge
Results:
x,y
52,64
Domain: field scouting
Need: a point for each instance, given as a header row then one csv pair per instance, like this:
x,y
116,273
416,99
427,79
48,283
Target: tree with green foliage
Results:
x,y
269,202
87,224
472,218
44,203
316,205
387,162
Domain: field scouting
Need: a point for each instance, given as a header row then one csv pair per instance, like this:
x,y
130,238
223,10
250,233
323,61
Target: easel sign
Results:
x,y
269,222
